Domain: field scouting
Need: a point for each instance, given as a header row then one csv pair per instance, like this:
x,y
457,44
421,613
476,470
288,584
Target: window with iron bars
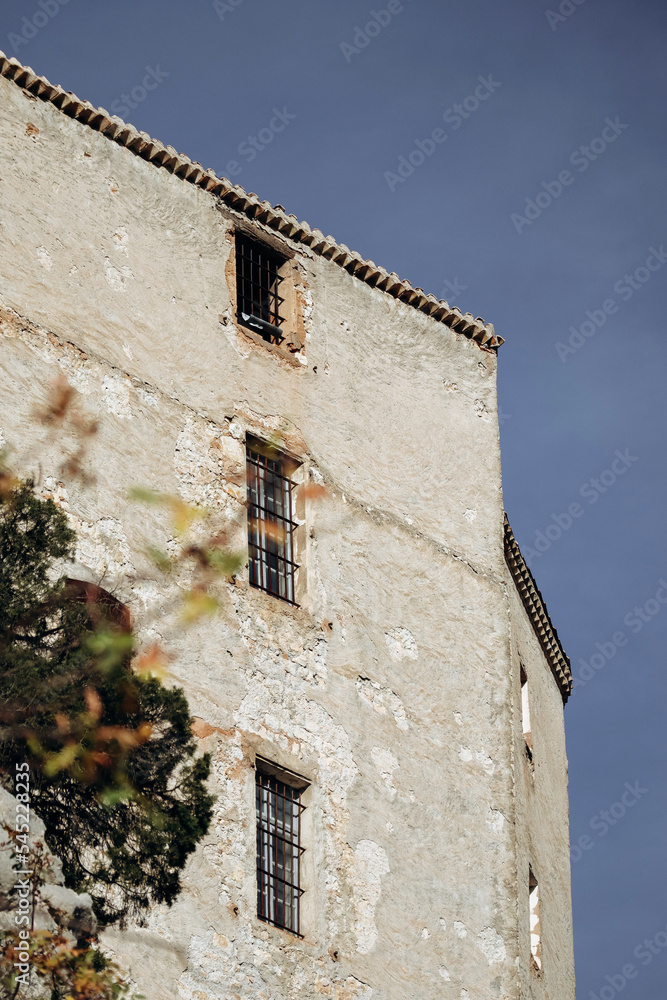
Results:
x,y
278,852
258,284
271,565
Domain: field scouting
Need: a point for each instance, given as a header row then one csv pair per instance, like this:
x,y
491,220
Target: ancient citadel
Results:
x,y
383,690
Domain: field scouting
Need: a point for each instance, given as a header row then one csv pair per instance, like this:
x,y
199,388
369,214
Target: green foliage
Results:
x,y
66,972
45,963
114,775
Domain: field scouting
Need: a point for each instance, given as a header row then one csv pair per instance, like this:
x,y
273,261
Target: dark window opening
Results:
x,y
103,608
525,716
535,929
271,566
278,850
258,284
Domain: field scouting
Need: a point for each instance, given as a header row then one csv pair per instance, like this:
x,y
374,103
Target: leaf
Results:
x,y
110,647
124,737
151,662
144,495
225,563
183,514
159,558
93,703
112,797
196,604
270,529
312,491
61,760
63,723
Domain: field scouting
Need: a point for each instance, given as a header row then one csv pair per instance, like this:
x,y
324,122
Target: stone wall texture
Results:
x,y
394,686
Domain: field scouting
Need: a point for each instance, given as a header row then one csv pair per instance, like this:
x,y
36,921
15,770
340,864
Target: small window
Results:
x,y
535,932
525,715
258,286
270,525
279,849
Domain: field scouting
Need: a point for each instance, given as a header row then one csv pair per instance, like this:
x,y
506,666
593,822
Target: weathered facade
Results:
x,y
392,685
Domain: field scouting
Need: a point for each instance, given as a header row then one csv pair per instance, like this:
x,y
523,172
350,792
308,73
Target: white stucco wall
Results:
x,y
392,687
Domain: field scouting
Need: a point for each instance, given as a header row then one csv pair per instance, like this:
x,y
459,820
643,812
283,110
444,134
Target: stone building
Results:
x,y
382,689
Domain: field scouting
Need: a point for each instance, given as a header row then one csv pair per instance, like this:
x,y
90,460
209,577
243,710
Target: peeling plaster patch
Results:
x,y
370,864
470,514
382,700
236,341
127,350
443,924
460,929
120,240
275,654
227,850
386,764
465,995
445,974
102,547
486,762
44,257
151,595
495,821
3,442
82,373
116,277
273,710
458,718
53,490
492,946
481,408
480,757
198,464
339,989
116,394
219,964
401,644
146,396
236,430
425,934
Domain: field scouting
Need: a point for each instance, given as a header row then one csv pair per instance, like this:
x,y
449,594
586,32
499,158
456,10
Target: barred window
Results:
x,y
270,526
258,284
278,851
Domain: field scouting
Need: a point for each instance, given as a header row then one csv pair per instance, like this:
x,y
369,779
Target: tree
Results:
x,y
114,774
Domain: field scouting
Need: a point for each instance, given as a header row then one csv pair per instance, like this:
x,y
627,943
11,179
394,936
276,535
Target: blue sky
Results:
x,y
543,210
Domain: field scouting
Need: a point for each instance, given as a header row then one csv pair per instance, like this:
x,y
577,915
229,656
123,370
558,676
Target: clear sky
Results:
x,y
541,207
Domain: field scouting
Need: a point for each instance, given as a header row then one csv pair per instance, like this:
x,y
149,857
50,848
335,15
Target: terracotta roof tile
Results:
x,y
536,610
274,217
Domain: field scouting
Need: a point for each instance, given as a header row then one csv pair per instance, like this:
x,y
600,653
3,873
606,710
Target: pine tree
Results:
x,y
114,774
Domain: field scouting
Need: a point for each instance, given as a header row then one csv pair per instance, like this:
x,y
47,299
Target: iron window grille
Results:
x,y
258,284
270,528
278,852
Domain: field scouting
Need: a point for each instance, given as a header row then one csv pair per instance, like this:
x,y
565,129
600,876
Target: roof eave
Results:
x,y
166,157
537,612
